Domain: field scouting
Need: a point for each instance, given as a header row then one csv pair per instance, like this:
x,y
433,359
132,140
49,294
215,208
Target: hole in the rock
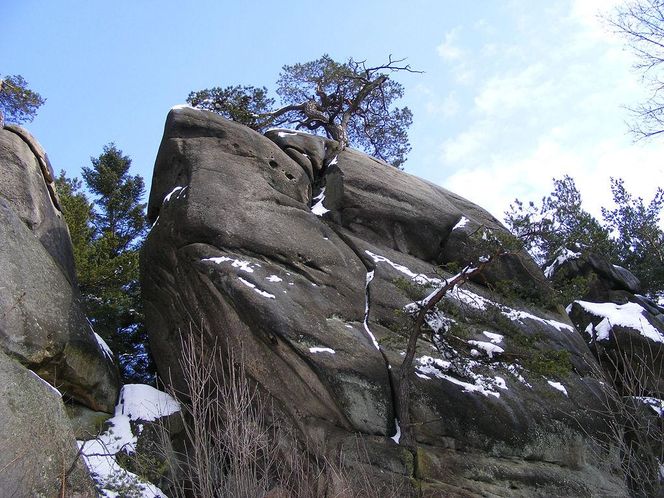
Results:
x,y
274,164
289,176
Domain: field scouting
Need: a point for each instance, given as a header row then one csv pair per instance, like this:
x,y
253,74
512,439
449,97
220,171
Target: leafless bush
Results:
x,y
633,426
235,448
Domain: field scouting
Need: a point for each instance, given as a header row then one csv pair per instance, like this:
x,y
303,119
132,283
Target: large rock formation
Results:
x,y
48,351
308,268
43,324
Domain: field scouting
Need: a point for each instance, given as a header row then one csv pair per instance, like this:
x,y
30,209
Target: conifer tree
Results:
x,y
107,234
18,104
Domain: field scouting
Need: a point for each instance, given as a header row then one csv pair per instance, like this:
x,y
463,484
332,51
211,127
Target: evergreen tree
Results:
x,y
558,223
349,102
630,235
18,104
640,240
77,210
107,235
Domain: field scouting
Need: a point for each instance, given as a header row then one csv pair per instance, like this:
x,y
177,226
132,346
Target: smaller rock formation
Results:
x,y
625,331
49,353
43,324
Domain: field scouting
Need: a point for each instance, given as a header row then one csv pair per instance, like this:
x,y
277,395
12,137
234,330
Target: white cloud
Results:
x,y
464,146
448,49
506,93
546,101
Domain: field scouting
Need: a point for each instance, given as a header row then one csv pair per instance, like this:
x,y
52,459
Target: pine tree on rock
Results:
x,y
350,103
18,104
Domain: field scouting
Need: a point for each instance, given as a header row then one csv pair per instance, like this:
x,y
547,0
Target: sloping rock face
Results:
x,y
309,270
42,324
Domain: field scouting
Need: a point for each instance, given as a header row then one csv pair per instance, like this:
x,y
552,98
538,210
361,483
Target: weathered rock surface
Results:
x,y
42,323
625,331
504,390
38,453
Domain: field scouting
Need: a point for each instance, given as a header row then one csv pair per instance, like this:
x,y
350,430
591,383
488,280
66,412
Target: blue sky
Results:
x,y
514,93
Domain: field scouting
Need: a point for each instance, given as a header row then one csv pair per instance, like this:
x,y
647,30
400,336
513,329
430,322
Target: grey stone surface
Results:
x,y
237,254
37,446
42,323
27,183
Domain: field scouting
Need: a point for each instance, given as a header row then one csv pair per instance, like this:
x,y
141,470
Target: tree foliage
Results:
x,y
349,102
630,234
18,104
558,222
641,22
639,238
245,104
107,235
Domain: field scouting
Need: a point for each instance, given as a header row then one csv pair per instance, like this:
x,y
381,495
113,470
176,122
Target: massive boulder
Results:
x,y
42,324
308,269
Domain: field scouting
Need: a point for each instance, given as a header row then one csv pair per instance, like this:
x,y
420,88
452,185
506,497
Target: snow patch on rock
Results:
x,y
629,315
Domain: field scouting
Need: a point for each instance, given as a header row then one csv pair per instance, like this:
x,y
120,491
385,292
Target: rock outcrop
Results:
x,y
309,270
38,453
625,331
49,353
43,324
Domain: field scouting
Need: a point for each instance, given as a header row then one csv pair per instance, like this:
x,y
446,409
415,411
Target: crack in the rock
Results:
x,y
371,268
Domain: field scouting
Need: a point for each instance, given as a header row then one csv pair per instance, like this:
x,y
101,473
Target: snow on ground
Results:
x,y
235,263
516,370
629,315
493,337
137,402
47,384
519,316
103,346
463,296
654,403
319,349
418,278
369,278
565,255
558,386
318,208
397,435
434,368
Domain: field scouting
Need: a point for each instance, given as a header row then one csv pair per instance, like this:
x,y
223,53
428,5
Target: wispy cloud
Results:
x,y
448,49
545,101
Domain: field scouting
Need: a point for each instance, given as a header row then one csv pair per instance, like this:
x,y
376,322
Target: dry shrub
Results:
x,y
635,428
234,448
